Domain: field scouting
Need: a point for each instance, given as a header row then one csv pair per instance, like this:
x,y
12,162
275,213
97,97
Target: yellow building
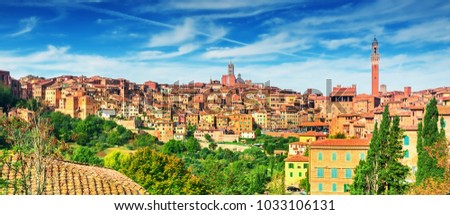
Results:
x,y
52,96
295,169
260,118
410,151
332,164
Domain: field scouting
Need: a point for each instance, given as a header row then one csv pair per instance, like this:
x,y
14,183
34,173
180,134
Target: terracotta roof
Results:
x,y
444,110
313,133
297,158
341,142
313,124
67,178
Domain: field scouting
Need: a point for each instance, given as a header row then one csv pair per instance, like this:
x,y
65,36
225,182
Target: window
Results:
x,y
348,173
347,156
319,156
305,165
362,156
299,174
406,154
319,172
320,187
291,174
334,187
333,156
334,173
291,166
346,187
406,141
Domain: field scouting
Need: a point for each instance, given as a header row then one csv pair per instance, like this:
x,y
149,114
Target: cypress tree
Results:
x,y
382,172
427,139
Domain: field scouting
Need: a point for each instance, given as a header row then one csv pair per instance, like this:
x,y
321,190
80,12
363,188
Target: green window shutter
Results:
x,y
291,166
348,173
305,166
320,187
291,174
333,156
347,156
319,156
406,154
334,173
362,156
406,141
334,187
299,174
319,172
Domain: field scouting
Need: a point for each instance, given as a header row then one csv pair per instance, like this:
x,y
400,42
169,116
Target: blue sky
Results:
x,y
294,44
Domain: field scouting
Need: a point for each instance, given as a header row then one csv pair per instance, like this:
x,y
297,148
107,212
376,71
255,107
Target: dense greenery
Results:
x,y
161,174
382,172
428,137
176,167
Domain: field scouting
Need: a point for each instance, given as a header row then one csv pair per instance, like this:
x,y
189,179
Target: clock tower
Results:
x,y
375,58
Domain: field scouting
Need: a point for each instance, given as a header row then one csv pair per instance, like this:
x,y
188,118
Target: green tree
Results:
x,y
86,155
208,138
115,160
173,147
161,174
192,145
144,139
382,172
258,132
428,137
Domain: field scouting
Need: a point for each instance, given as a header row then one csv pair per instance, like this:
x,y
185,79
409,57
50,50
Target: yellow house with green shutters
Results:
x,y
295,168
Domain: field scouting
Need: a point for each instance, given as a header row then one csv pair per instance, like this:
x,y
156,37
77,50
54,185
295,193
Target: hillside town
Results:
x,y
232,109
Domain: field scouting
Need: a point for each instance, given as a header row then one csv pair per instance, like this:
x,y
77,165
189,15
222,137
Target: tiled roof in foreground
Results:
x,y
67,178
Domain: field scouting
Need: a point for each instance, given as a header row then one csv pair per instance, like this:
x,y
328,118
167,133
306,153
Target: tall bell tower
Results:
x,y
375,58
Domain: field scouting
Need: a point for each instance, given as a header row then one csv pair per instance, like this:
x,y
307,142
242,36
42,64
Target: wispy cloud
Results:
x,y
217,5
281,43
27,25
177,35
430,31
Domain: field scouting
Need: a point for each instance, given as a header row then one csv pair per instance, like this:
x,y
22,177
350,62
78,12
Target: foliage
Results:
x,y
427,138
7,100
208,138
32,144
144,140
161,174
258,132
192,145
338,136
86,155
173,147
115,160
382,172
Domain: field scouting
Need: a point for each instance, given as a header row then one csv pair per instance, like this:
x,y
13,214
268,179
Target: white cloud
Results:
x,y
220,5
281,43
426,70
27,24
432,31
337,43
179,34
152,55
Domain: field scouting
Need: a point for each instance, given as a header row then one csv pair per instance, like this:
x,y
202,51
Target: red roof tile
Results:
x,y
341,142
297,158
